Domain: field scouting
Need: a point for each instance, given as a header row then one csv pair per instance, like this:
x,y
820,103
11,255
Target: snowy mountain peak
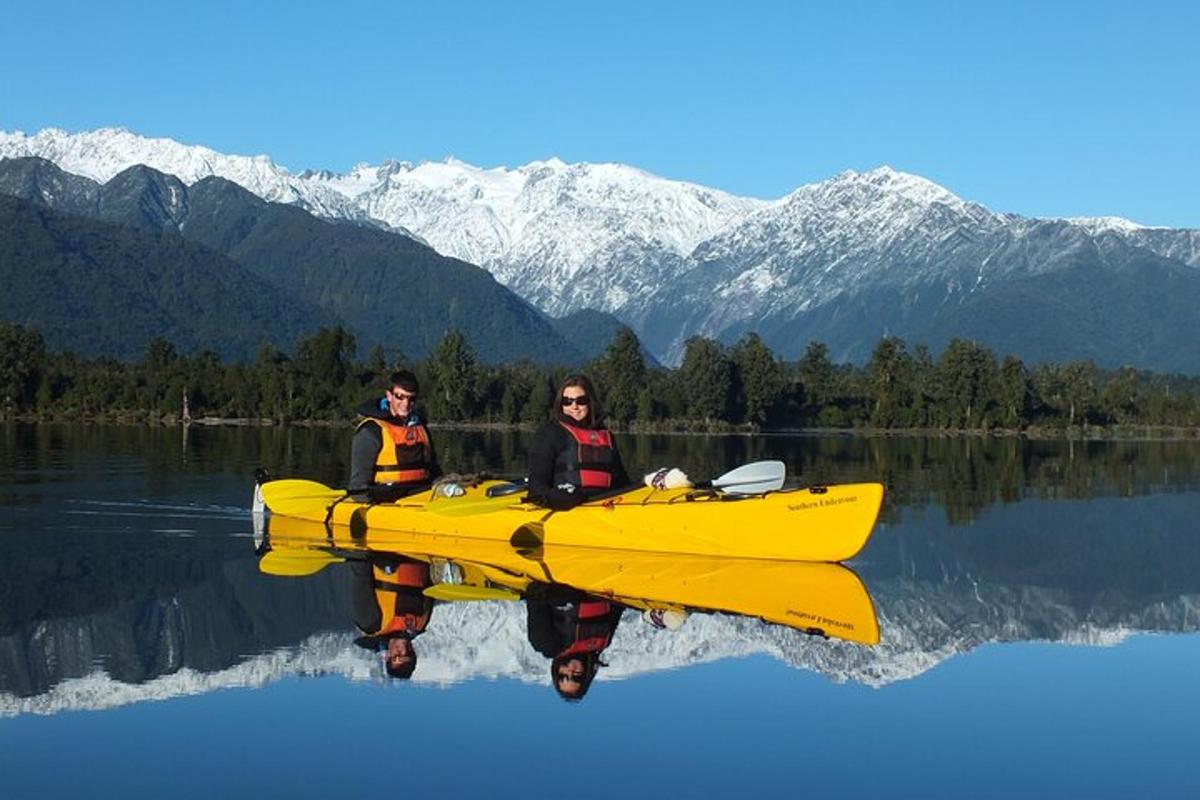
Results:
x,y
1096,225
876,183
670,258
103,153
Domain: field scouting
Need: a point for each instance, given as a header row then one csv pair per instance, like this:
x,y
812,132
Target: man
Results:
x,y
391,454
390,608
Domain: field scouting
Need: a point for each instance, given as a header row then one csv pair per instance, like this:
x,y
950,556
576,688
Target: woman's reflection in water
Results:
x,y
390,609
572,629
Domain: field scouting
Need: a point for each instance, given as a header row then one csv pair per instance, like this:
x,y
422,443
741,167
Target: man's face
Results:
x,y
399,652
401,401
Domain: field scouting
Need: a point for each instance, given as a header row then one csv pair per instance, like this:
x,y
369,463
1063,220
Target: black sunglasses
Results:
x,y
566,402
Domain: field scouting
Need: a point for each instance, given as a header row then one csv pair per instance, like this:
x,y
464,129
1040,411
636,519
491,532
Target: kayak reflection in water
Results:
x,y
574,456
572,629
390,608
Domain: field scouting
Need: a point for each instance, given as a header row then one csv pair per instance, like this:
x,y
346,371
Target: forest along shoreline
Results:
x,y
739,389
1130,433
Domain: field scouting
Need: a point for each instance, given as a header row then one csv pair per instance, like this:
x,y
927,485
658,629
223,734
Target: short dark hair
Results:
x,y
404,671
405,379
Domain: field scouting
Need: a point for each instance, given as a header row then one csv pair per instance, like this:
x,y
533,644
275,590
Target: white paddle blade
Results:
x,y
754,478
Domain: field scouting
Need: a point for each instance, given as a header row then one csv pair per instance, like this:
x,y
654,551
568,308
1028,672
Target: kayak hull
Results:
x,y
811,524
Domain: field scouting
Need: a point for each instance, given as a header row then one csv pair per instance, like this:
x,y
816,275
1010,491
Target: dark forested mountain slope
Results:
x,y
103,289
387,288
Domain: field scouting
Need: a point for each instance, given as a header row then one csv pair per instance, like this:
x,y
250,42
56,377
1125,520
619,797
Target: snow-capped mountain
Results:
x,y
864,255
1180,244
845,261
103,153
564,236
473,641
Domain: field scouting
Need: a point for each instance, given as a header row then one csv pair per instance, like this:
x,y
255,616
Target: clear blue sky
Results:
x,y
1042,108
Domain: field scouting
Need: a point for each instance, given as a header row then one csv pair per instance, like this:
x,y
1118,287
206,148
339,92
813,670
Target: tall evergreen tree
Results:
x,y
1120,398
324,364
924,386
538,406
967,373
452,373
759,378
1014,392
22,362
1079,390
621,375
816,373
706,379
890,376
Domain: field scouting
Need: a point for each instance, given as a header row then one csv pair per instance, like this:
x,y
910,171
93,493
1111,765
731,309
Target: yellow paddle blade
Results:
x,y
475,501
296,563
454,592
292,496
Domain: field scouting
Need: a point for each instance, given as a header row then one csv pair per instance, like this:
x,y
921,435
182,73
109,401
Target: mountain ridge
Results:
x,y
388,289
661,254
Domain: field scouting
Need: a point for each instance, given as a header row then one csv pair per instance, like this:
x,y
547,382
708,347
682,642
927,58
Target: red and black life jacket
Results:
x,y
405,454
588,463
593,631
403,607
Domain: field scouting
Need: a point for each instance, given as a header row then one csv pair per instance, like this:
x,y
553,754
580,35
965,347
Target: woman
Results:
x,y
572,629
574,457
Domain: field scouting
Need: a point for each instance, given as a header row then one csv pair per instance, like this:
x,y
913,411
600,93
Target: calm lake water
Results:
x,y
1037,606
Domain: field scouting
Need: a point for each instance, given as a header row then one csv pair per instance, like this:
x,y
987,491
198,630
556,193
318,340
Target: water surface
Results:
x,y
1037,607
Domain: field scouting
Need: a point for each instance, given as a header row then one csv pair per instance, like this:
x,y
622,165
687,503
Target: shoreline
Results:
x,y
1089,433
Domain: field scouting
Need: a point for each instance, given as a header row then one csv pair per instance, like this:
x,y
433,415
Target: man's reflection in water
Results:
x,y
572,629
390,609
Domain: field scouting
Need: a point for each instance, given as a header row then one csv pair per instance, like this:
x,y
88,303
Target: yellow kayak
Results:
x,y
819,598
830,523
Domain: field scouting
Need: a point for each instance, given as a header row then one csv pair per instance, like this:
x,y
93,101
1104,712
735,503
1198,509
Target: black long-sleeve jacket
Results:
x,y
552,446
552,618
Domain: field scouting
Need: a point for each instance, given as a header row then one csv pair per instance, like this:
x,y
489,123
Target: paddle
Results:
x,y
296,563
754,478
496,497
463,591
294,497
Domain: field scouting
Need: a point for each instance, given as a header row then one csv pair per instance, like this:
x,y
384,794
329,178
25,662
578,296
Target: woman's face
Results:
x,y
570,677
575,403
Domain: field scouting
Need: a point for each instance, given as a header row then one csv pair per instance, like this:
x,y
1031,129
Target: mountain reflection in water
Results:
x,y
128,571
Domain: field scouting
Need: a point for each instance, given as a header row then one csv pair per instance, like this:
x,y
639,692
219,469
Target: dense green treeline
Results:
x,y
715,387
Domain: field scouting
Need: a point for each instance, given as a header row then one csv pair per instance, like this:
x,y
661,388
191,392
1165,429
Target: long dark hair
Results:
x,y
591,665
595,413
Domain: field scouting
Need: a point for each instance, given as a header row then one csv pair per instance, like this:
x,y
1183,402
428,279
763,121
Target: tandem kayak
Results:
x,y
820,523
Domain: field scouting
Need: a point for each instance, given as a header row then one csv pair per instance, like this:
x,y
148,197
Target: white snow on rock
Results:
x,y
608,236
